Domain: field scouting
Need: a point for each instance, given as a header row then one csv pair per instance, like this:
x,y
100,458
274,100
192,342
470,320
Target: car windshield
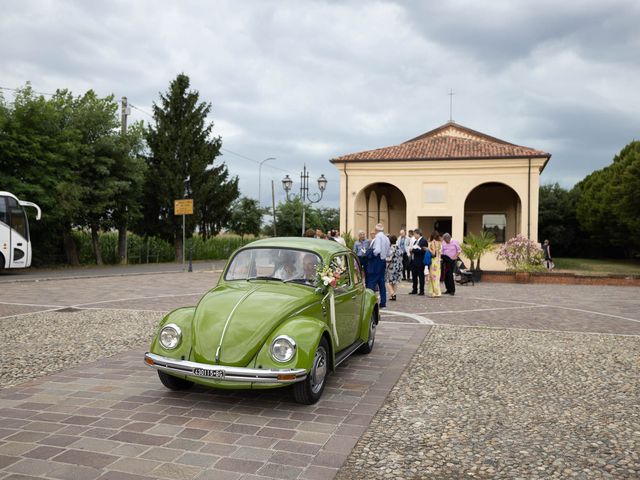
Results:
x,y
281,264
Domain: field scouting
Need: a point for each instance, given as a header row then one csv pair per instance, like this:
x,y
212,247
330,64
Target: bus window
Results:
x,y
3,211
18,218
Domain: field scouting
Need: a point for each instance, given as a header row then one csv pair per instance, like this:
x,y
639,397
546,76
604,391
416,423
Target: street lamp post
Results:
x,y
304,195
260,180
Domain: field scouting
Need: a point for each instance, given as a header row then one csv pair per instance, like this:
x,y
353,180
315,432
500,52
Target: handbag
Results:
x,y
427,258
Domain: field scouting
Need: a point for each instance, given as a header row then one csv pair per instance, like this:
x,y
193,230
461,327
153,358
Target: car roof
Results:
x,y
324,248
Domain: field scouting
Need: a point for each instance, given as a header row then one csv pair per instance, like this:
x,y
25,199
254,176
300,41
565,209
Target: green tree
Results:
x,y
607,205
181,165
557,221
289,219
100,146
626,194
65,154
214,212
39,162
328,218
246,217
129,175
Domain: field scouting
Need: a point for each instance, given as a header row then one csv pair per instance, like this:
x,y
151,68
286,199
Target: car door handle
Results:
x,y
19,244
353,296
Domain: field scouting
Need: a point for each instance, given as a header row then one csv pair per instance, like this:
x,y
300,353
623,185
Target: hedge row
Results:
x,y
153,249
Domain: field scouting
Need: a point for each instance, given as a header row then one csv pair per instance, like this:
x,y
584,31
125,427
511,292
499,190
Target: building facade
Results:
x,y
451,179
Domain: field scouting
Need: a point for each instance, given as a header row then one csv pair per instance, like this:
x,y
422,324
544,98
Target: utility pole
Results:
x,y
273,206
125,111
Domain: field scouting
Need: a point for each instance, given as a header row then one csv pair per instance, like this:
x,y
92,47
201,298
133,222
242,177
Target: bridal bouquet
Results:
x,y
327,276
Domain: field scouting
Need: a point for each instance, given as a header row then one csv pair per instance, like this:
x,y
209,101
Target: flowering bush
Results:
x,y
327,276
522,254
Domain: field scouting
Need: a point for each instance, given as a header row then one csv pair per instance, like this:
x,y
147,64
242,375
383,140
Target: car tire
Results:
x,y
310,389
373,323
174,383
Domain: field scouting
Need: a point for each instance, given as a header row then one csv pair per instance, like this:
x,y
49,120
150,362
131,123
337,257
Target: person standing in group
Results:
x,y
394,267
402,246
310,233
450,251
377,262
417,262
548,261
335,233
409,250
435,247
360,248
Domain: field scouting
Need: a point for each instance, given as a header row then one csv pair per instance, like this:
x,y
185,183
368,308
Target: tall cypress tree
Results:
x,y
181,165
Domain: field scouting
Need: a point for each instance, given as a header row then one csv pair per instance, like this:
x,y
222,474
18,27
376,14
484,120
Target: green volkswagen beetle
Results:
x,y
286,311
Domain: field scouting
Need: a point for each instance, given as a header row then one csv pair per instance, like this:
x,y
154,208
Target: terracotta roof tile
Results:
x,y
448,142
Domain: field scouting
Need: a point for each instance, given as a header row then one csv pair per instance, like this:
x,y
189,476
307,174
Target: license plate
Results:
x,y
208,372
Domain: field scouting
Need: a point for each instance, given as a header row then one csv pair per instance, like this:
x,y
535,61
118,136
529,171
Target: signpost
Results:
x,y
183,207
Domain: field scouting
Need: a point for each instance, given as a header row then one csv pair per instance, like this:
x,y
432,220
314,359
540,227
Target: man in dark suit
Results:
x,y
417,263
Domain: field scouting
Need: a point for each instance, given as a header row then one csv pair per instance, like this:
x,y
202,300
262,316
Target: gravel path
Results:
x,y
491,403
41,343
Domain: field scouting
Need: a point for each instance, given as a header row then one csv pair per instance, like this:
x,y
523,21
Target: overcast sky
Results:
x,y
307,81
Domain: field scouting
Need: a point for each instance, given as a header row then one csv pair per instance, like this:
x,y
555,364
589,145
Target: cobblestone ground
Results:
x,y
41,343
490,403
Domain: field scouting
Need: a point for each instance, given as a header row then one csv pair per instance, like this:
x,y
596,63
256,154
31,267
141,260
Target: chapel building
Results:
x,y
452,179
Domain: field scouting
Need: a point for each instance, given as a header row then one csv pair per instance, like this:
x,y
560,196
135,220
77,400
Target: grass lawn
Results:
x,y
590,266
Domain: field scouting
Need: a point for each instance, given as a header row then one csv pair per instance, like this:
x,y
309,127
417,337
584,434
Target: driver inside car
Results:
x,y
309,264
287,269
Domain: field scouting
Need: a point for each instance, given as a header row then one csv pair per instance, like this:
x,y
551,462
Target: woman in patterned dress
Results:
x,y
393,273
435,247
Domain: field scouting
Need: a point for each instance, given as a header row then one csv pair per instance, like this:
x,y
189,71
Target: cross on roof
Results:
x,y
451,94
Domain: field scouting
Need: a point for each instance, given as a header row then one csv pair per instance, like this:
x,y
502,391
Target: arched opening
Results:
x,y
493,207
380,203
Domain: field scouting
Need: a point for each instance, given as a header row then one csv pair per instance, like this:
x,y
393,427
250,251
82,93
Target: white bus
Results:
x,y
15,243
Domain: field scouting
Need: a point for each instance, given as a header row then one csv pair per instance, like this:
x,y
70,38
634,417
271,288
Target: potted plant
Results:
x,y
522,256
474,247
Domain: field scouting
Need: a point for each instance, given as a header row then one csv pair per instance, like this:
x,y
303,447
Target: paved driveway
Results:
x,y
112,419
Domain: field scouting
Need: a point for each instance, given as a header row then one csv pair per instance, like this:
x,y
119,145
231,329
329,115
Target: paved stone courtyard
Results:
x,y
528,381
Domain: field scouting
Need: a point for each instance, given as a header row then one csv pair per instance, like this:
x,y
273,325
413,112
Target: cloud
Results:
x,y
307,81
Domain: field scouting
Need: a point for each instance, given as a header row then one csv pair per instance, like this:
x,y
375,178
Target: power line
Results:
x,y
221,148
140,110
34,91
253,160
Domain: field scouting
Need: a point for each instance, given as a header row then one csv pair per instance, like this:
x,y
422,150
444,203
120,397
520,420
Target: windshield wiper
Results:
x,y
306,281
264,277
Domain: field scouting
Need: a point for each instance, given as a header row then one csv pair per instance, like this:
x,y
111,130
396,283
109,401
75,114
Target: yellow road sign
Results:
x,y
183,207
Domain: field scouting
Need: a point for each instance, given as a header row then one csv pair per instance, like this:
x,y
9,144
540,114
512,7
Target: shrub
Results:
x,y
216,248
349,240
154,249
522,254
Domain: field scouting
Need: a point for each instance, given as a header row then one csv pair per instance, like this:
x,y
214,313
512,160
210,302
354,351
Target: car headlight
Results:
x,y
170,336
283,348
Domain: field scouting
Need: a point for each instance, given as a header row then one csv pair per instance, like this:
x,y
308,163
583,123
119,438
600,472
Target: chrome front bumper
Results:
x,y
224,373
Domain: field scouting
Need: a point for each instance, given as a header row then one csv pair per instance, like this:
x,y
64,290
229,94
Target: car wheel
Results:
x,y
310,389
373,323
174,383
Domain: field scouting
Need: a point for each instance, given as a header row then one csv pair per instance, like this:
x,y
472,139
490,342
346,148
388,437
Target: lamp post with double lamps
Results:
x,y
304,195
